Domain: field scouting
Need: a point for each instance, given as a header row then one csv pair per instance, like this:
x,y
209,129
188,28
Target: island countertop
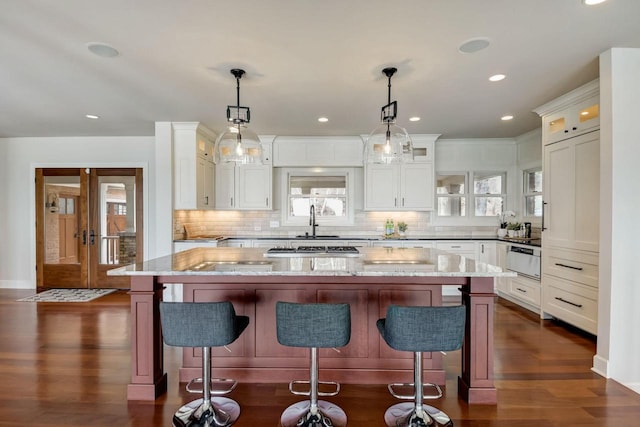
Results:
x,y
369,262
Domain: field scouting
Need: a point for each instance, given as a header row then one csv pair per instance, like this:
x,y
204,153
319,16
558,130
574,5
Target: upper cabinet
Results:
x,y
245,187
403,186
571,115
295,151
193,166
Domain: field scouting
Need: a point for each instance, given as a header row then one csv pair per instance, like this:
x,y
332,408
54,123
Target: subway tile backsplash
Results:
x,y
257,224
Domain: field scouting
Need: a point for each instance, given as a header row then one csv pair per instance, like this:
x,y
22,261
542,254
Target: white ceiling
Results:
x,y
303,58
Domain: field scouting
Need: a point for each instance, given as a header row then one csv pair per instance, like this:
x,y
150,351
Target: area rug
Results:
x,y
68,295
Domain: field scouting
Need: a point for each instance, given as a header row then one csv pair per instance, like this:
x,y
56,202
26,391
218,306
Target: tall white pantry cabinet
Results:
x,y
570,236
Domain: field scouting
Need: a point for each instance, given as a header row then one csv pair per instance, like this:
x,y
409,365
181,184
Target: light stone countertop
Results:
x,y
370,262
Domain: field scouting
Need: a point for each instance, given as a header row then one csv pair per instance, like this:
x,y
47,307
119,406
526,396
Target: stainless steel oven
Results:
x,y
524,261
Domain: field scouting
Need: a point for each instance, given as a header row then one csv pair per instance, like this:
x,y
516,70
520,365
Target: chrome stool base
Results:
x,y
225,412
299,415
404,415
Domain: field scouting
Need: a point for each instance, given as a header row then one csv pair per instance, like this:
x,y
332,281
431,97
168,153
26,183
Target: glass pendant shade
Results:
x,y
238,144
388,143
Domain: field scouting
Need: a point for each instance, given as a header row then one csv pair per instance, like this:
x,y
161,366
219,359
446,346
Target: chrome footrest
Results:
x,y
215,382
292,385
413,396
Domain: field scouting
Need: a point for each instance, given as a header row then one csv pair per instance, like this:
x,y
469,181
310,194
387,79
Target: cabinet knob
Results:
x,y
575,128
566,131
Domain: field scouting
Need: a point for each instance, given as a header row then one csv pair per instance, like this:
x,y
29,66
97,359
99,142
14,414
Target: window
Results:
x,y
485,198
489,190
451,194
532,192
327,190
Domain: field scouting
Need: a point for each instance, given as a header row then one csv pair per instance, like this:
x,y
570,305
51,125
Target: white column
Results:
x,y
618,350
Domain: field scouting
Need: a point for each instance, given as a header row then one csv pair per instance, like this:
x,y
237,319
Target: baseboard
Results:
x,y
16,284
600,366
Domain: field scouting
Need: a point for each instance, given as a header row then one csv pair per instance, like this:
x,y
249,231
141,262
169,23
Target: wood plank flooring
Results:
x,y
64,364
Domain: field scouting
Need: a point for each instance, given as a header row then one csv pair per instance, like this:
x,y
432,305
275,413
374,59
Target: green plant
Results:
x,y
402,226
514,226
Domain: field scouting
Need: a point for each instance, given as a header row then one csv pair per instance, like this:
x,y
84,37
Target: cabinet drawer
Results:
x,y
570,302
462,248
525,290
571,265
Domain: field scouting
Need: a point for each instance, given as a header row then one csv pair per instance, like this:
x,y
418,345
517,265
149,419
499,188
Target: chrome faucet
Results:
x,y
312,220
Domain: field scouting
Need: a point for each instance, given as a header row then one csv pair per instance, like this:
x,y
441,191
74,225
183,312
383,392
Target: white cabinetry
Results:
x,y
486,252
520,290
570,237
420,244
402,186
571,196
295,151
399,187
245,187
193,166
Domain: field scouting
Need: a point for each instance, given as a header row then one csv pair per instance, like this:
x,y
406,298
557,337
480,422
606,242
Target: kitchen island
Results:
x,y
369,281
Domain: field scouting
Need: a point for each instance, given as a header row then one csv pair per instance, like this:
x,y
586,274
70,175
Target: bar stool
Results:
x,y
420,329
313,326
206,325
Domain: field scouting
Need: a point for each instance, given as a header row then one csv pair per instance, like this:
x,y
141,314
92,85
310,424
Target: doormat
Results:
x,y
68,295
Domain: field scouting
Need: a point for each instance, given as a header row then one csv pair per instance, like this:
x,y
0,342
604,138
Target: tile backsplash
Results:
x,y
258,224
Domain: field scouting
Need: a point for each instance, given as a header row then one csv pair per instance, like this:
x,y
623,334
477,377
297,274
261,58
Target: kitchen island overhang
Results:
x,y
369,283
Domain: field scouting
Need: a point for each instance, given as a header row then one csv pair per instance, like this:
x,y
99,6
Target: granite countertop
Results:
x,y
521,241
370,262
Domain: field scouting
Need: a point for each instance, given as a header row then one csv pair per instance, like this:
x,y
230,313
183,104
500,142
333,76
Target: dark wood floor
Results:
x,y
64,364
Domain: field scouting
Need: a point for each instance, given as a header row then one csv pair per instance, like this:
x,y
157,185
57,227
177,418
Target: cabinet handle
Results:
x,y
566,131
232,201
575,128
569,302
456,247
543,205
266,201
568,266
403,202
395,201
482,248
524,291
206,200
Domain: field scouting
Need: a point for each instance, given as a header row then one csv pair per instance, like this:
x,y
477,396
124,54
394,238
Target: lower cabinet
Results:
x,y
520,290
184,246
570,287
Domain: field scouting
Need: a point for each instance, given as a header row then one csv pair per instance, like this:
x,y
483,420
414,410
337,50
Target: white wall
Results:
x,y
21,156
618,350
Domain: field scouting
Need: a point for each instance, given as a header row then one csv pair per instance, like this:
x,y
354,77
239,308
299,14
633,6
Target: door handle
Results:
x,y
84,237
92,237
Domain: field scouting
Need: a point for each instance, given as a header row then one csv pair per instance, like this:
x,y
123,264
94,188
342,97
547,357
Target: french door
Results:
x,y
88,221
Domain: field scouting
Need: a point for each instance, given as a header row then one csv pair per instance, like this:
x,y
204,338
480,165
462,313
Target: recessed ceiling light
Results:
x,y
323,119
414,119
92,116
102,50
593,2
506,118
474,45
497,77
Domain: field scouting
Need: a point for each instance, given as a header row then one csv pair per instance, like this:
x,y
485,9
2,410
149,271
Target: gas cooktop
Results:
x,y
313,251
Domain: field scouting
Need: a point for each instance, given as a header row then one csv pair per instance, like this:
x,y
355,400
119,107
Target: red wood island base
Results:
x,y
257,357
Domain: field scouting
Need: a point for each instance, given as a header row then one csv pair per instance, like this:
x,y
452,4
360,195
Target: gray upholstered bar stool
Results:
x,y
420,329
205,325
313,326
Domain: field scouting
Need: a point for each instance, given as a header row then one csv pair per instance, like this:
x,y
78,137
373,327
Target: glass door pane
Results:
x,y
117,220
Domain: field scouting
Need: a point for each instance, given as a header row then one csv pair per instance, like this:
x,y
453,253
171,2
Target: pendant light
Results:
x,y
388,143
238,143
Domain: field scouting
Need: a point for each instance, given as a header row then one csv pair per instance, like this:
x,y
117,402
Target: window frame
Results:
x,y
346,220
464,195
503,195
525,193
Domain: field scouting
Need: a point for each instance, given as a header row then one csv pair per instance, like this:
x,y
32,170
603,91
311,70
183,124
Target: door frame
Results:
x,y
89,277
